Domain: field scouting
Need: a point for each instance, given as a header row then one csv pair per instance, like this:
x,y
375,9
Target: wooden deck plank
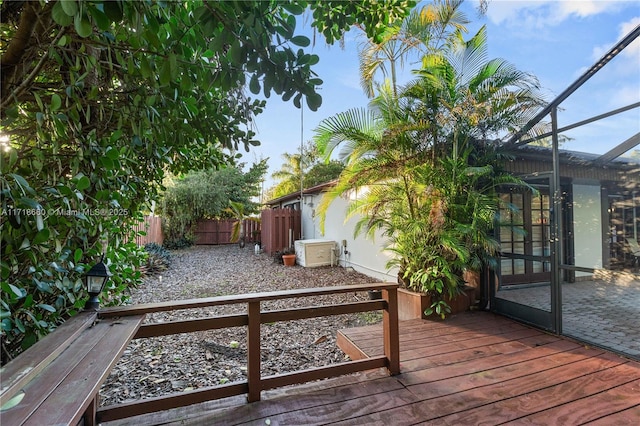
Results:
x,y
525,336
429,412
462,356
510,400
519,361
30,363
487,369
453,333
47,381
529,376
338,411
628,417
371,344
435,406
592,407
304,396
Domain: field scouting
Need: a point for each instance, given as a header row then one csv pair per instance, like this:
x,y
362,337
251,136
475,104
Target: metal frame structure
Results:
x,y
553,321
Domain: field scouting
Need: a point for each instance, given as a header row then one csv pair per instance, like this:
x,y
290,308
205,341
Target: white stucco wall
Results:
x,y
364,255
587,226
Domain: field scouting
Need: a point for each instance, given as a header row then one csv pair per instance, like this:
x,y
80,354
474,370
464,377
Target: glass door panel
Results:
x,y
523,285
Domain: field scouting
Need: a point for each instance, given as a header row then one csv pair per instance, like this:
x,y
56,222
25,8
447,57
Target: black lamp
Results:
x,y
95,280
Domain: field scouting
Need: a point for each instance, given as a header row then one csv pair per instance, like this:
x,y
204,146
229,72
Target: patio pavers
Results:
x,y
599,312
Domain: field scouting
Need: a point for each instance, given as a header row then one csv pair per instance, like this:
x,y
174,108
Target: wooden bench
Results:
x,y
57,380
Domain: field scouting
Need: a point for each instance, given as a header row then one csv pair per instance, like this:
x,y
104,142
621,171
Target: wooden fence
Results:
x,y
217,232
276,230
152,226
280,228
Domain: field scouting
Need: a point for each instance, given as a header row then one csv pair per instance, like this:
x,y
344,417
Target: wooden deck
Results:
x,y
474,368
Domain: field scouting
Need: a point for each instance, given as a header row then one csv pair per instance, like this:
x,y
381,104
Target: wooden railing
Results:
x,y
253,318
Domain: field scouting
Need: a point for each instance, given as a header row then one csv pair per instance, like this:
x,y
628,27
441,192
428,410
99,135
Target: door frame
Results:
x,y
548,320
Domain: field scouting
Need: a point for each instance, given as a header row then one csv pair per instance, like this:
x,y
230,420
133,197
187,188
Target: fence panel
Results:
x,y
214,232
152,225
218,232
207,232
280,228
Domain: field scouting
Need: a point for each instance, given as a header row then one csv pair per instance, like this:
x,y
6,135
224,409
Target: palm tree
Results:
x,y
423,31
426,163
465,96
289,176
377,147
293,169
238,210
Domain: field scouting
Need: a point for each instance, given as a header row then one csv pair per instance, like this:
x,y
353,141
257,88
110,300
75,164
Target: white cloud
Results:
x,y
633,50
544,13
624,96
583,8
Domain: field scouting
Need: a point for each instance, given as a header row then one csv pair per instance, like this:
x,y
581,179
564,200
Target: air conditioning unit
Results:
x,y
312,253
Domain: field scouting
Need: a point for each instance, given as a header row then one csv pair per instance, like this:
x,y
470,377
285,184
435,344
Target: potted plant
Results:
x,y
285,257
430,257
424,166
289,257
444,235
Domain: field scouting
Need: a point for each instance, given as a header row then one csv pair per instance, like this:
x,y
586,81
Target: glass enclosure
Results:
x,y
570,242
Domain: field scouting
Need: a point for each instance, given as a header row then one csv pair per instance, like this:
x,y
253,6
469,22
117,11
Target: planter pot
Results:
x,y
289,259
472,280
411,305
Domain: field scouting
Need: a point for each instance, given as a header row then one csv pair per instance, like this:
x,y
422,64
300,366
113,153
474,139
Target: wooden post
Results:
x,y
89,418
253,352
391,331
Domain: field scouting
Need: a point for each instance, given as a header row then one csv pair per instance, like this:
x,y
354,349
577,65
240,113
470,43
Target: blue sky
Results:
x,y
553,40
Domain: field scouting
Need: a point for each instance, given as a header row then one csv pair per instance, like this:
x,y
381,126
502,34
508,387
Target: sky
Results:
x,y
555,40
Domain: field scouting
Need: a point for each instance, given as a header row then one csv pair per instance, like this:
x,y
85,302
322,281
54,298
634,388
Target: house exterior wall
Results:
x,y
364,255
587,227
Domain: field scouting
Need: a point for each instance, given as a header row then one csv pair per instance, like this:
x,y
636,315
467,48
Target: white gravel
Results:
x,y
159,366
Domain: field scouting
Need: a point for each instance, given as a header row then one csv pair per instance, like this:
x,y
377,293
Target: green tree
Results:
x,y
207,194
288,177
426,164
463,96
425,30
307,168
100,99
323,172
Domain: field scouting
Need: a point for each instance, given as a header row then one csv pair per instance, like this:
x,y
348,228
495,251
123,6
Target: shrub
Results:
x,y
158,259
179,242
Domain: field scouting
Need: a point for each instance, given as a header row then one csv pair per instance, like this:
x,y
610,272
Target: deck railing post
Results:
x,y
253,352
89,418
391,331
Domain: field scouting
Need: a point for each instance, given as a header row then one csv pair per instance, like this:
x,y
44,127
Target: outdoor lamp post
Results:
x,y
95,280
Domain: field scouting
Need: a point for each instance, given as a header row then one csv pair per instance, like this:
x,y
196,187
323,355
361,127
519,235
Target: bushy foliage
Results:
x,y
158,259
47,246
207,195
177,243
99,99
321,173
307,167
424,161
277,256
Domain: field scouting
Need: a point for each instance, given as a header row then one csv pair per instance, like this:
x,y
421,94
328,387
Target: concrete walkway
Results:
x,y
604,312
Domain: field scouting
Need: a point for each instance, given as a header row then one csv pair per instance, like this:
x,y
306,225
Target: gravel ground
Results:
x,y
169,364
